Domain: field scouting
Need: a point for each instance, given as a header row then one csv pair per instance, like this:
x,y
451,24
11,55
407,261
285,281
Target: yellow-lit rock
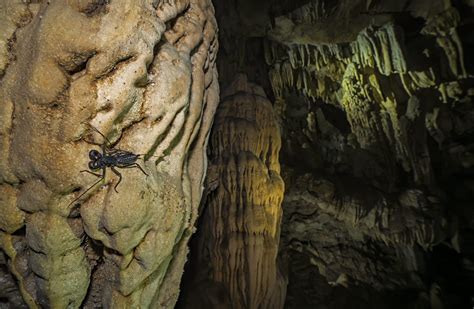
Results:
x,y
240,229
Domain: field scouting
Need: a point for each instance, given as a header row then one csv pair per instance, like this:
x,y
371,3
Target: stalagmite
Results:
x,y
239,237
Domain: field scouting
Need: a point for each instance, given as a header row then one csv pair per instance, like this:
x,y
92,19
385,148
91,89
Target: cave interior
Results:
x,y
339,169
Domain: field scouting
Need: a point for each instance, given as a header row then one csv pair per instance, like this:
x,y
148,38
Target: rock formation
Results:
x,y
240,223
143,74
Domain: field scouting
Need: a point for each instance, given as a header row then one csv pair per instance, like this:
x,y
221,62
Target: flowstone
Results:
x,y
143,74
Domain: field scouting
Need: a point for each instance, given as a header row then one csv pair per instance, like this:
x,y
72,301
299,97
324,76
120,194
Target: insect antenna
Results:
x,y
82,194
109,144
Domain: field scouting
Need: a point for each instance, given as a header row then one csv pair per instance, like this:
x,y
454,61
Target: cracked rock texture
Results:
x,y
141,72
236,247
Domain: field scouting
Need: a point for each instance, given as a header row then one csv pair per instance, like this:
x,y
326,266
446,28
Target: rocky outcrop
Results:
x,y
143,74
240,224
406,218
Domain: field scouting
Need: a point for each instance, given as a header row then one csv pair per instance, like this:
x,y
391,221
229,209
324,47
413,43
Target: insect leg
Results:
x,y
101,178
91,142
95,174
118,174
135,165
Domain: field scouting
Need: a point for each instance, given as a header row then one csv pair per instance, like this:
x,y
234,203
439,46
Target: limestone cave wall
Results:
x,y
141,73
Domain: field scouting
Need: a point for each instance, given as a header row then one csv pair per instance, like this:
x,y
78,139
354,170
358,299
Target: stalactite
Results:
x,y
377,53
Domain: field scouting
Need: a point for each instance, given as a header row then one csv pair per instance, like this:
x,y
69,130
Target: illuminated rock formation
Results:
x,y
378,72
141,72
240,230
372,98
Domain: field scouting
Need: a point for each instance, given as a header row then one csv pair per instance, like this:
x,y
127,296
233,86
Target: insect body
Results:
x,y
112,158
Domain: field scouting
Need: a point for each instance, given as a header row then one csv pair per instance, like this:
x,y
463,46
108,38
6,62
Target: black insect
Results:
x,y
110,157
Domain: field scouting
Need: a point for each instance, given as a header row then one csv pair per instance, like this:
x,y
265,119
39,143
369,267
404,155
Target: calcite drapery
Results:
x,y
381,233
375,72
141,72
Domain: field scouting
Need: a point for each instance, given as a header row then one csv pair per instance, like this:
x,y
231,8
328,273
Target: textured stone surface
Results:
x,y
381,234
390,81
237,241
141,72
